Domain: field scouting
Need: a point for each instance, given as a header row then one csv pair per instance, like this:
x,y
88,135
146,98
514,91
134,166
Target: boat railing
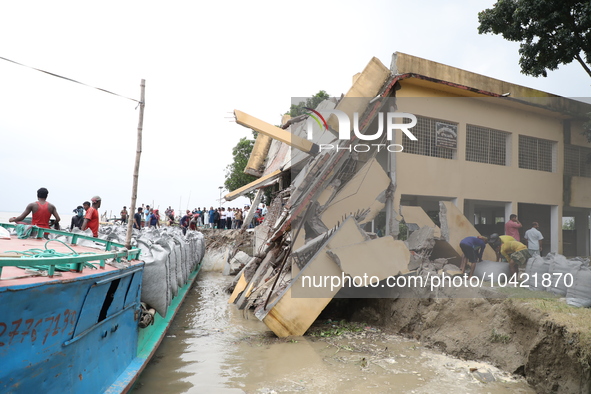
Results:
x,y
74,261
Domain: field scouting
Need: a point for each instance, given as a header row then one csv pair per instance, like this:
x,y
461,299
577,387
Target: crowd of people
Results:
x,y
507,247
221,218
87,216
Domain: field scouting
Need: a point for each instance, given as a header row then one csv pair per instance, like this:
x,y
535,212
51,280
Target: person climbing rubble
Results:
x,y
473,249
516,254
496,241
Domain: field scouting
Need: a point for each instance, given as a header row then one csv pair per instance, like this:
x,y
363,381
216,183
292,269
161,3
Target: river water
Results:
x,y
213,347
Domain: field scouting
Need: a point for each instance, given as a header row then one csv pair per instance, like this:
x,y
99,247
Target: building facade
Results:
x,y
493,149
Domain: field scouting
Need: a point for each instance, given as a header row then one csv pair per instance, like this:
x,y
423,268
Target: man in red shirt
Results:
x,y
512,227
91,219
42,211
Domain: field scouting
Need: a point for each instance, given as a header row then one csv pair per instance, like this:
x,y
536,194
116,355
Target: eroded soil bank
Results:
x,y
542,339
528,333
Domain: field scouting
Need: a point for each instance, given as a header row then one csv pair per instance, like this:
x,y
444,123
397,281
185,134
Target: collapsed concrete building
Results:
x,y
351,176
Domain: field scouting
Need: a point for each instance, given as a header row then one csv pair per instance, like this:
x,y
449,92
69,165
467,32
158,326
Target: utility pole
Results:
x,y
136,170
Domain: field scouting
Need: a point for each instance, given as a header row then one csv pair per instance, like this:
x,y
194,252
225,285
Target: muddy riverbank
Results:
x,y
533,334
543,340
213,347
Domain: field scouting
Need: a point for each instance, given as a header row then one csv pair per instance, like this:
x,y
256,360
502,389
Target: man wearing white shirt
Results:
x,y
534,239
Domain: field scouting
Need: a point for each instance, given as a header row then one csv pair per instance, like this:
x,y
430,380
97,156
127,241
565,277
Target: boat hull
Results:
x,y
69,335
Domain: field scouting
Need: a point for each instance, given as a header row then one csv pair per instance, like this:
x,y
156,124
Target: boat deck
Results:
x,y
67,255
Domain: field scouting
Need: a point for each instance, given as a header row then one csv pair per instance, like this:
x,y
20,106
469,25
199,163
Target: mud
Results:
x,y
515,335
213,347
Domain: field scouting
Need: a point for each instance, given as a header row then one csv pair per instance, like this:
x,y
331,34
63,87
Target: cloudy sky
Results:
x,y
201,60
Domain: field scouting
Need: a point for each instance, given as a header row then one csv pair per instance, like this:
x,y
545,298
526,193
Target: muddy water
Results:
x,y
212,348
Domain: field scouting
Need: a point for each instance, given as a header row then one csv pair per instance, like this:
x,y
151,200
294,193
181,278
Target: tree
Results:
x,y
551,32
568,224
235,176
311,102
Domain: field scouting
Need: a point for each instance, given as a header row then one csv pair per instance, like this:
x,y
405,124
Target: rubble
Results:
x,y
322,225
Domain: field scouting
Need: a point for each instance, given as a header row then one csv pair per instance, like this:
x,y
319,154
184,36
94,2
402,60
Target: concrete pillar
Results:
x,y
469,211
582,231
555,229
509,210
458,202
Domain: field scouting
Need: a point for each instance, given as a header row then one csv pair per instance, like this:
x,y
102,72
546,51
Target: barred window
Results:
x,y
426,143
577,161
537,154
484,145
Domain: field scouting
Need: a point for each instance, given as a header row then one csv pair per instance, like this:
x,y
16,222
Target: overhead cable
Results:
x,y
69,79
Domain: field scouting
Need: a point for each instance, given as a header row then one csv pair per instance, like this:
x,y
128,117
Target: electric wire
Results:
x,y
70,79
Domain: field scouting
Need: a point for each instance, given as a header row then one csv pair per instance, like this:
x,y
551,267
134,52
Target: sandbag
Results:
x,y
535,269
485,268
559,267
155,290
172,282
579,294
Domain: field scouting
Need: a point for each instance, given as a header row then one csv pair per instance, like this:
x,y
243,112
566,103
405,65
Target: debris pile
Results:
x,y
318,237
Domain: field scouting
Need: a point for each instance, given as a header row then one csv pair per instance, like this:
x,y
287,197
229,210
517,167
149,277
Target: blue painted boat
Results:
x,y
70,314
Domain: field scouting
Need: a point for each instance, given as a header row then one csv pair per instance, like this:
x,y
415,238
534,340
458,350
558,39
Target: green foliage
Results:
x,y
497,337
235,176
335,329
551,32
311,102
568,224
402,231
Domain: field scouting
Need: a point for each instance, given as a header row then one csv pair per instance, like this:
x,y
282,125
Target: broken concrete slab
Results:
x,y
421,239
258,155
373,180
416,217
238,289
262,271
381,257
455,227
292,314
236,263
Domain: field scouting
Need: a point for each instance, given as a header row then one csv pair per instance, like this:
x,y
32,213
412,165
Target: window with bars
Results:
x,y
537,154
577,161
484,145
426,144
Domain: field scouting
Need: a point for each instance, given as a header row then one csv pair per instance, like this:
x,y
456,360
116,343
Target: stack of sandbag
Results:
x,y
562,272
535,270
570,278
579,294
169,259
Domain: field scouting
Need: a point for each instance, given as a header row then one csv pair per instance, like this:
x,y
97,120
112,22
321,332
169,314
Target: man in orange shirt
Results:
x,y
42,211
91,219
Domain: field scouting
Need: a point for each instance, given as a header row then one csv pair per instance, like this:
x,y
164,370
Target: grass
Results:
x,y
334,329
576,320
497,337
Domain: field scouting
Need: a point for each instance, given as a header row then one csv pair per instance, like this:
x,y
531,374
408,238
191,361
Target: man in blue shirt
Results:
x,y
473,248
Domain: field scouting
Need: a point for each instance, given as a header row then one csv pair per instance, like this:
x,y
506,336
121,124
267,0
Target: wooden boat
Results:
x,y
69,318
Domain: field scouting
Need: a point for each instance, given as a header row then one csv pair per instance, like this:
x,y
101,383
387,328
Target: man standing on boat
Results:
x,y
42,211
91,219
